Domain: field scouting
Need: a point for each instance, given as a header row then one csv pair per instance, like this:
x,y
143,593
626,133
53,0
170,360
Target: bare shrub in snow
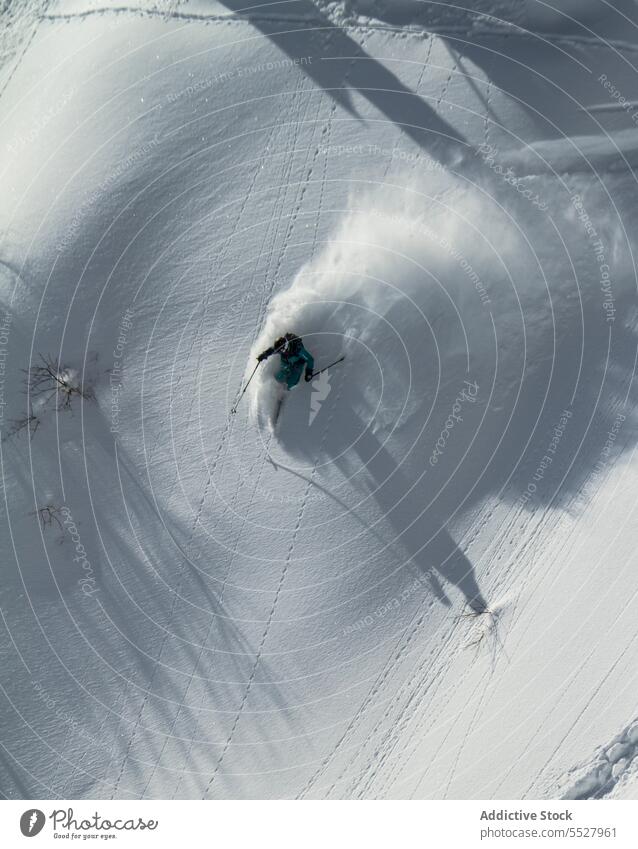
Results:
x,y
52,381
484,628
25,424
48,515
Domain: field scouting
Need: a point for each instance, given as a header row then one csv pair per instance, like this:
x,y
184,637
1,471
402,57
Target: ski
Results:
x,y
280,404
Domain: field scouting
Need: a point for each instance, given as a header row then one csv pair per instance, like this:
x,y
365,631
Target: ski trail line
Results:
x,y
287,563
210,628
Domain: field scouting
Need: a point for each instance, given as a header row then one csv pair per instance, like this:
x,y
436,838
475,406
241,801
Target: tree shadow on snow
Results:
x,y
337,64
150,637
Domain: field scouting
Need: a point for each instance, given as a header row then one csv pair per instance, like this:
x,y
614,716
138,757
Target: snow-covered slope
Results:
x,y
423,583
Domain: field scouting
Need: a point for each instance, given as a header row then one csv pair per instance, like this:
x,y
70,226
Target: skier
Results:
x,y
294,358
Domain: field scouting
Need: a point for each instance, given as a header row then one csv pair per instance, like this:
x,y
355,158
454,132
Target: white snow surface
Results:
x,y
421,583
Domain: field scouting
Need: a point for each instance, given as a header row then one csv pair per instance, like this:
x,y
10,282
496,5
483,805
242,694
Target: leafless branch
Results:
x,y
29,423
48,515
51,380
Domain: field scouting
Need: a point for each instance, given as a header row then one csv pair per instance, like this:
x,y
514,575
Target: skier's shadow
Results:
x,y
420,529
410,525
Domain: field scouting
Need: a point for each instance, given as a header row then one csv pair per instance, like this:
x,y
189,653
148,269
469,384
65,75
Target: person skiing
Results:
x,y
294,359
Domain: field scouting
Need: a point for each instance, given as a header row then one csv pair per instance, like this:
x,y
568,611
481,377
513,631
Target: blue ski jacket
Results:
x,y
294,360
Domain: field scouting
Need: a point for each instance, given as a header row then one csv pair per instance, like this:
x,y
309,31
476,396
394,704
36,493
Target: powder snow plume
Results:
x,y
422,286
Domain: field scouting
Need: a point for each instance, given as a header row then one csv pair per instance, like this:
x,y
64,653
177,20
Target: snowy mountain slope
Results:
x,y
428,591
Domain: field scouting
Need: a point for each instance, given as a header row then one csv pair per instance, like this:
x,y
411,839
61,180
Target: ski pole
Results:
x,y
325,368
234,408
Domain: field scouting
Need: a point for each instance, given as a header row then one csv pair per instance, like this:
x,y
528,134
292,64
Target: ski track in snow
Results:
x,y
33,13
284,571
413,692
199,659
269,252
